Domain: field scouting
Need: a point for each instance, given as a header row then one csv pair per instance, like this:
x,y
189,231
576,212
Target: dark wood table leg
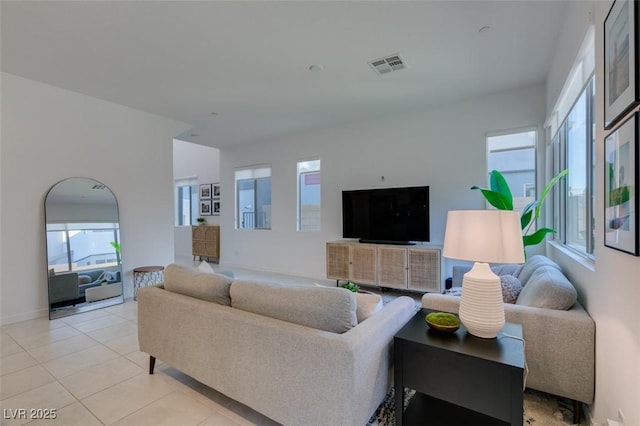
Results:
x,y
398,383
152,363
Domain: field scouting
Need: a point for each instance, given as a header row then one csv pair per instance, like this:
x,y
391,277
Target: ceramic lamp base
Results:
x,y
481,308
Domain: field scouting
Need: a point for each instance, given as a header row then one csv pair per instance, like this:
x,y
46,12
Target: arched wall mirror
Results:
x,y
83,247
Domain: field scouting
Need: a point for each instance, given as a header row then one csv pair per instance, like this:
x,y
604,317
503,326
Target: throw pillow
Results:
x,y
368,304
532,264
191,282
548,288
511,288
84,279
327,308
205,267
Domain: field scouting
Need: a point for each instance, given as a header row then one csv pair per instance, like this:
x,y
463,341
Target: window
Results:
x,y
253,198
572,129
574,149
309,195
186,202
80,246
514,155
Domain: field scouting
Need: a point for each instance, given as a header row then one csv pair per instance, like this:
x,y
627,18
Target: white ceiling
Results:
x,y
249,61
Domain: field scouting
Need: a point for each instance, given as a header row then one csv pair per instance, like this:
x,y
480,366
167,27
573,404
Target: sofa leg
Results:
x,y
577,412
152,363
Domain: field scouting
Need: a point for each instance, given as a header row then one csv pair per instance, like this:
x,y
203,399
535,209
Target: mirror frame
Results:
x,y
71,278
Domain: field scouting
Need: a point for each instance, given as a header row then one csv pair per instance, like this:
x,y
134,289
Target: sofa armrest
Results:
x,y
560,349
559,345
441,302
371,343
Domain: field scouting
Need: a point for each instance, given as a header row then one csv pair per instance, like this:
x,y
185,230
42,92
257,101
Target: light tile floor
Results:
x,y
89,369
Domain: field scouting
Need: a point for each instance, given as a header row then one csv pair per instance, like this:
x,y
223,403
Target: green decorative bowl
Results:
x,y
443,321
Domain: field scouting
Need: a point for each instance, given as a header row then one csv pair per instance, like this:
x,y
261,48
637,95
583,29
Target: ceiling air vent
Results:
x,y
388,64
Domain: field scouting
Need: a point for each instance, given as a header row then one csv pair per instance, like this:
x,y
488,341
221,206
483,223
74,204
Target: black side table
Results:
x,y
459,378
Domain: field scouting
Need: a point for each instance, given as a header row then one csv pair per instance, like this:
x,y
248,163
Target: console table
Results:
x,y
459,378
413,268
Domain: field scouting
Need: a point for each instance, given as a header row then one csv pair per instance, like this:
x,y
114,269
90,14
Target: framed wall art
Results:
x,y
205,207
620,56
205,191
216,190
621,187
216,207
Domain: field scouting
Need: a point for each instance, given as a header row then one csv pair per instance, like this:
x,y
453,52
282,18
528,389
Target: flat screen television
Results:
x,y
388,215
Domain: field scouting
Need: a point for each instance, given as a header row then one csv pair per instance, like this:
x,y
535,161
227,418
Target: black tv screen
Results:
x,y
389,215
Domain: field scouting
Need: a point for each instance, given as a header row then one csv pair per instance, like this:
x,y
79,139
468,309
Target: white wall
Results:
x,y
442,147
610,287
201,162
49,134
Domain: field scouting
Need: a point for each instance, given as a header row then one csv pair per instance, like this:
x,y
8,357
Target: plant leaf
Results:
x,y
546,190
536,237
526,214
525,219
497,200
498,183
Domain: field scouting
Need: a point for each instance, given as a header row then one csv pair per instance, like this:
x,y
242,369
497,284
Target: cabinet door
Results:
x,y
392,267
212,237
363,264
337,261
198,232
424,270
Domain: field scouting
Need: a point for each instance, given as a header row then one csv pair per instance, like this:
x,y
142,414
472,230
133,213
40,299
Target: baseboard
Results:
x,y
25,316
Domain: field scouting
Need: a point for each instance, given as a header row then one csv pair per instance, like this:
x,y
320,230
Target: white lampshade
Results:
x,y
491,236
483,236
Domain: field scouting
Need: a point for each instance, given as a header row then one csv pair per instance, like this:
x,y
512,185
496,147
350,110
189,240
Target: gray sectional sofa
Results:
x,y
295,354
559,333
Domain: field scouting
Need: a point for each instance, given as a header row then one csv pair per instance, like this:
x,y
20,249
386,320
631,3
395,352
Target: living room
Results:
x,y
53,131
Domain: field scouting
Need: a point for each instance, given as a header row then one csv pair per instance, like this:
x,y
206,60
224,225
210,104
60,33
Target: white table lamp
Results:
x,y
483,237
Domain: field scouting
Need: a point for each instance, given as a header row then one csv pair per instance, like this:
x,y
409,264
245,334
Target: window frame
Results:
x,y
257,173
192,183
299,174
560,157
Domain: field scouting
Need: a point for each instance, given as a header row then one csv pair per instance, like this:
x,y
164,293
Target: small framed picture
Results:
x,y
621,187
205,191
216,190
205,207
216,208
620,56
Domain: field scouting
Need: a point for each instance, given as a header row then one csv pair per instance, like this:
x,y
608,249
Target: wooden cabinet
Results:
x,y
205,242
416,268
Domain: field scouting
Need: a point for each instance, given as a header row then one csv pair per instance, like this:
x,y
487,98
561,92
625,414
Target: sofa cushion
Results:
x,y
328,308
548,288
367,305
511,288
191,282
533,263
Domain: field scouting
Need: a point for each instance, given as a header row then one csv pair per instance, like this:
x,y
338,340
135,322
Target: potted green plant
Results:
x,y
201,220
499,196
351,287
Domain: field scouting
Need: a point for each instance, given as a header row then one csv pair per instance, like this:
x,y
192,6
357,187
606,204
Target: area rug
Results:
x,y
540,409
